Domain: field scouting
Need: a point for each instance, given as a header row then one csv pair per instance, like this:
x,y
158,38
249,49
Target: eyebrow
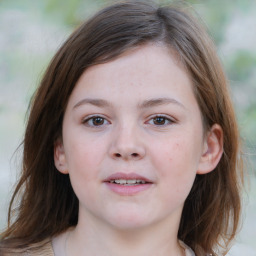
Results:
x,y
145,104
159,102
95,102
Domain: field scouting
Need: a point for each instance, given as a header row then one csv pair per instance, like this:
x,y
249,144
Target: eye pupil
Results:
x,y
159,120
98,121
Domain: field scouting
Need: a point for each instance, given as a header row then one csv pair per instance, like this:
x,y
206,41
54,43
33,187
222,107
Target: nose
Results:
x,y
127,144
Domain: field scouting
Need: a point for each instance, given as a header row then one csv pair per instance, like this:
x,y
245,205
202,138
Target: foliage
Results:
x,y
217,14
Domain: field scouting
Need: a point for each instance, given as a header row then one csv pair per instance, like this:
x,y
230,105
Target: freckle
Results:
x,y
177,145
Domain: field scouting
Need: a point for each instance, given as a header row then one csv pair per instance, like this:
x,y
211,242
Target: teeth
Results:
x,y
131,181
120,181
128,182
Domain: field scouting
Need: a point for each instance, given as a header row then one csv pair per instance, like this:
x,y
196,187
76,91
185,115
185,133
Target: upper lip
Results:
x,y
127,176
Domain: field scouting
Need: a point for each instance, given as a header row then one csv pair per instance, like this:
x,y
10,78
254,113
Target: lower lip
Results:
x,y
125,190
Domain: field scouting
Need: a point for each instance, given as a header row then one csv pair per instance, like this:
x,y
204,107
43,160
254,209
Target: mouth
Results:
x,y
127,179
127,184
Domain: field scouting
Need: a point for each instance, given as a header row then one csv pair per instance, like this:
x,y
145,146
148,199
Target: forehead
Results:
x,y
139,75
143,65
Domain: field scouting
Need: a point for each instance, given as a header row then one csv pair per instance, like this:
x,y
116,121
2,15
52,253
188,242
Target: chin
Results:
x,y
129,225
129,220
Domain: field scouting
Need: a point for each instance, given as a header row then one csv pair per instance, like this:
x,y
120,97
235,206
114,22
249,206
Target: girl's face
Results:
x,y
134,119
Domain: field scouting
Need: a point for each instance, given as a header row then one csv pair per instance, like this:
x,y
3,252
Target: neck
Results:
x,y
158,239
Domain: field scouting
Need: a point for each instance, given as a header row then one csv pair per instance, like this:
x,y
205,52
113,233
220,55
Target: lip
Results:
x,y
127,176
126,190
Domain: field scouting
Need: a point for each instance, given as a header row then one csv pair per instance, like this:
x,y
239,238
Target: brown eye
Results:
x,y
98,121
95,121
159,120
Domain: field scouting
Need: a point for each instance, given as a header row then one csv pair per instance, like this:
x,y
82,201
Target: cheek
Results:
x,y
176,162
84,161
83,173
84,154
177,155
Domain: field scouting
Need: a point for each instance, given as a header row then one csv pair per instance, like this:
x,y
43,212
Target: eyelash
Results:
x,y
89,121
164,118
93,118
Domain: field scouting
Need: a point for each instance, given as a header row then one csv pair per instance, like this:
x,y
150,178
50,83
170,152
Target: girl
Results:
x,y
131,146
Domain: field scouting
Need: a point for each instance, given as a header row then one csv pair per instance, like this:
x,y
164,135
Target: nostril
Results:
x,y
118,155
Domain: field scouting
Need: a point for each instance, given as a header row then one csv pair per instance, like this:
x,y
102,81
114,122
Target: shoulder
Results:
x,y
190,252
43,248
187,249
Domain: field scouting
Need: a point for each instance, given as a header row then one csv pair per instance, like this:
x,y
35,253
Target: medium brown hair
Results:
x,y
48,205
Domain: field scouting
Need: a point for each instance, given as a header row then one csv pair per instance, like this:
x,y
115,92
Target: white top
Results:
x,y
188,250
45,249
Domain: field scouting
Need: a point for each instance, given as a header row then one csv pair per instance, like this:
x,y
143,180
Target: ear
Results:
x,y
59,157
212,150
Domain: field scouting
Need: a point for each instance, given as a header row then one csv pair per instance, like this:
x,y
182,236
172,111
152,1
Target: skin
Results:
x,y
136,88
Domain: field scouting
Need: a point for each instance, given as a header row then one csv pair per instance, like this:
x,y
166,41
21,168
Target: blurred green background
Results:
x,y
31,32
